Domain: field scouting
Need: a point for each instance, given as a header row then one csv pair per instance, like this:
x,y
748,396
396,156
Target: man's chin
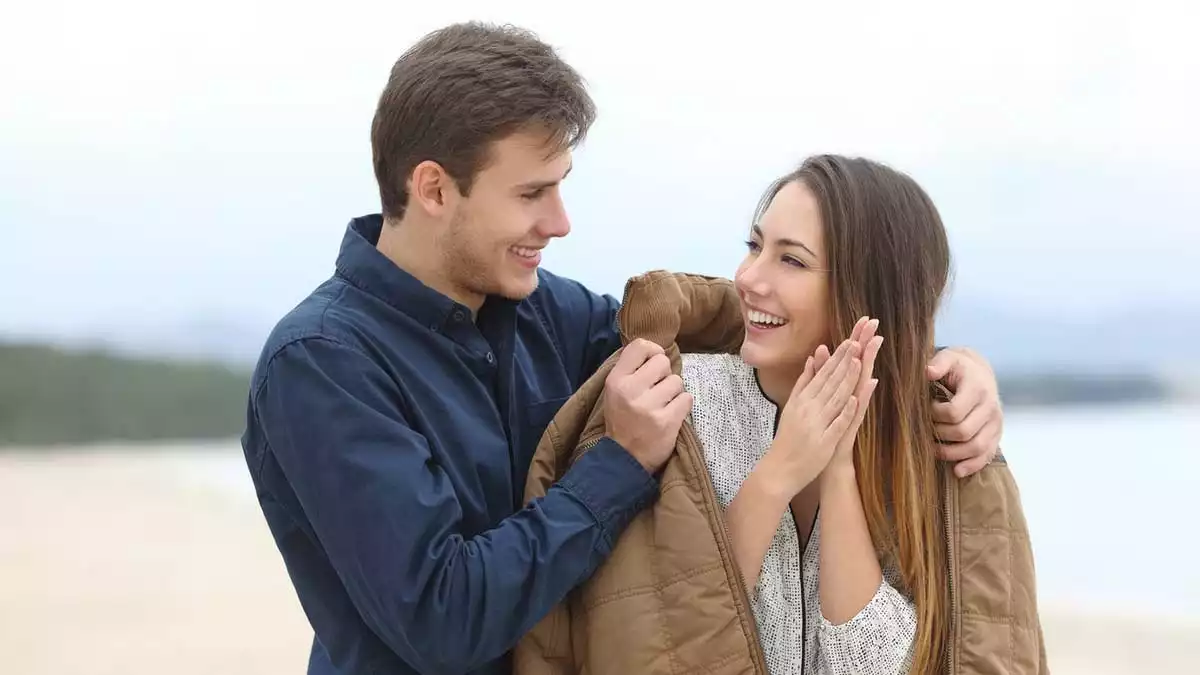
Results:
x,y
518,289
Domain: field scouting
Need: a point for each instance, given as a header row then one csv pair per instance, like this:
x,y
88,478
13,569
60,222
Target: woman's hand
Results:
x,y
863,334
817,414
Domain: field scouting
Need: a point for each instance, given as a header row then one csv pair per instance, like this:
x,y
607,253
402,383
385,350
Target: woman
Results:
x,y
817,536
835,514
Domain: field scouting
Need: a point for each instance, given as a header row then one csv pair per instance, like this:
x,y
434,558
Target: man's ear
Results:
x,y
430,188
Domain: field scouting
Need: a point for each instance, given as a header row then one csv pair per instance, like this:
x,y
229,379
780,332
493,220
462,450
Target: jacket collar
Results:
x,y
682,313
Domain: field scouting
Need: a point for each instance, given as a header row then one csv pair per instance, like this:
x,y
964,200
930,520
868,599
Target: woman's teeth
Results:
x,y
762,318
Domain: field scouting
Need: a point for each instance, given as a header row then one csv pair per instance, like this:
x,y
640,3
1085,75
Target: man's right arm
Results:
x,y
389,520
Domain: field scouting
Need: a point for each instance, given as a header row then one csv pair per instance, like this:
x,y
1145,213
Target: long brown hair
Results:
x,y
889,258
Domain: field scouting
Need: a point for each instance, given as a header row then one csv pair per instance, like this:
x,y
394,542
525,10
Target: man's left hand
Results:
x,y
969,426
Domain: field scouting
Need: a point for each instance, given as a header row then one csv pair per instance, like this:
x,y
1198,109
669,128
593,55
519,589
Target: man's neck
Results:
x,y
411,246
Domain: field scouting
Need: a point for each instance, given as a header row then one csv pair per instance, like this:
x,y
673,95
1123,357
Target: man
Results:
x,y
394,411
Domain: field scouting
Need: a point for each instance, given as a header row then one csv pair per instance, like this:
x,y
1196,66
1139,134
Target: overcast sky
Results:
x,y
202,159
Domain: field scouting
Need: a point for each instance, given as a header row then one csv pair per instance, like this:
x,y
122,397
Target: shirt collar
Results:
x,y
361,264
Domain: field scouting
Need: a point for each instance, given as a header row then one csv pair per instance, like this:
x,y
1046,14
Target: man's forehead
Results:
x,y
526,152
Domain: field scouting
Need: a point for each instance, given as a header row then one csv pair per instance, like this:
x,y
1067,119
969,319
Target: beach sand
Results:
x,y
134,560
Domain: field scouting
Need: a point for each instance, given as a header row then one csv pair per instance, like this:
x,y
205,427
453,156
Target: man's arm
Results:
x,y
389,520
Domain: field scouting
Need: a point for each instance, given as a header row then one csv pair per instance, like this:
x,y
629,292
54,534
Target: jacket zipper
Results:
x,y
710,496
949,513
584,447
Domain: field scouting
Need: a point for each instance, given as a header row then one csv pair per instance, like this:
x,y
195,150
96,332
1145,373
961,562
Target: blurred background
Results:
x,y
175,176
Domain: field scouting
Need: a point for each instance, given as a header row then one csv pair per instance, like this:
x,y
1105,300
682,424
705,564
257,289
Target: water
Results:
x,y
1110,493
1111,498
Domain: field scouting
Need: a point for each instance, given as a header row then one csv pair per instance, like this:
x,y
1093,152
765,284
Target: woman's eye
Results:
x,y
794,262
752,246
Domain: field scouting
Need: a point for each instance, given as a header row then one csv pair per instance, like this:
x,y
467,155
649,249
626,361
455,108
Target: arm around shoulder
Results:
x,y
390,522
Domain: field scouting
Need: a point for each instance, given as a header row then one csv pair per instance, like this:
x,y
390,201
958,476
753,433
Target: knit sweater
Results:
x,y
735,424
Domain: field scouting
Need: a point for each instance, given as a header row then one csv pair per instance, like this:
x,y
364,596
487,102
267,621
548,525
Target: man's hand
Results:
x,y
645,404
969,426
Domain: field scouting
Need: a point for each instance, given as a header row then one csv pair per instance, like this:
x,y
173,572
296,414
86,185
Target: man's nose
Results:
x,y
556,223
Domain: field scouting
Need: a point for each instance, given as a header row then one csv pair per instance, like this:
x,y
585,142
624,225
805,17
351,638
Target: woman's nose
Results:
x,y
750,278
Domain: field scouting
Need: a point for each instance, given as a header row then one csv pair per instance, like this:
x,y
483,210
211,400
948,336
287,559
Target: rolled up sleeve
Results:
x,y
876,641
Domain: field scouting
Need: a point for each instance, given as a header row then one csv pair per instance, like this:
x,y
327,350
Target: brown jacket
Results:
x,y
670,599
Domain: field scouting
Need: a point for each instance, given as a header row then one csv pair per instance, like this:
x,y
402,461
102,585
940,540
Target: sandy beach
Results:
x,y
127,560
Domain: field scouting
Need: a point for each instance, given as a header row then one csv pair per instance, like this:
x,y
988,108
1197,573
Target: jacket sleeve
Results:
x,y
389,520
876,641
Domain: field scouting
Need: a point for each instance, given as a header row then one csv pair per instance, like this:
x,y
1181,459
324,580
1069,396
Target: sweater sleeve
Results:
x,y
876,641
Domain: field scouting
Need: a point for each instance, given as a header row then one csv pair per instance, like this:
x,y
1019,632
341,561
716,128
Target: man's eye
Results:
x,y
532,196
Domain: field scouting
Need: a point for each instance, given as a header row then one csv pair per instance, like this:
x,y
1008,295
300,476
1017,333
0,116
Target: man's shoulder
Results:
x,y
556,289
562,299
321,316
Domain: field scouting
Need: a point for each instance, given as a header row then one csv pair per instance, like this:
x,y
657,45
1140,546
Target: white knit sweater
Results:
x,y
735,423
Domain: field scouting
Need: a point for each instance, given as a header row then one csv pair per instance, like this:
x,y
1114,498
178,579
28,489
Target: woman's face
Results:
x,y
783,283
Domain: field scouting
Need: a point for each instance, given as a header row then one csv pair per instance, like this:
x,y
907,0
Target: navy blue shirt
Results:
x,y
389,436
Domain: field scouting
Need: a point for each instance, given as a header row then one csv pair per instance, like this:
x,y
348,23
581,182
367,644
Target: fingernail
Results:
x,y
874,323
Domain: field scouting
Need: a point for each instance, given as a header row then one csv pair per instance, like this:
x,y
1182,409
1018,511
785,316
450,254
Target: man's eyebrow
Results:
x,y
786,242
541,184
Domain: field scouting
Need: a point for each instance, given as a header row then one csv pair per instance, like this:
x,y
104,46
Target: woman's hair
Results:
x,y
889,258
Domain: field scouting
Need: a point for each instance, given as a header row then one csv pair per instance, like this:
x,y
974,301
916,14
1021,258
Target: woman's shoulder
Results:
x,y
724,382
723,369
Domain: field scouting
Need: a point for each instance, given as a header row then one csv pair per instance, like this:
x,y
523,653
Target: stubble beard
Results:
x,y
469,268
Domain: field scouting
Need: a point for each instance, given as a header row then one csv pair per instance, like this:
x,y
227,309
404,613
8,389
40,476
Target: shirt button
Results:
x,y
491,358
458,315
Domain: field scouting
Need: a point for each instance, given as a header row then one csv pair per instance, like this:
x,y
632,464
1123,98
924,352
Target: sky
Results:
x,y
165,164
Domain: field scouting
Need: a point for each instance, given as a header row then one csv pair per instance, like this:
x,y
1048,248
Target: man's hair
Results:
x,y
459,89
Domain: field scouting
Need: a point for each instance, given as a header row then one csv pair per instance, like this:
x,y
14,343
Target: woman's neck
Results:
x,y
776,384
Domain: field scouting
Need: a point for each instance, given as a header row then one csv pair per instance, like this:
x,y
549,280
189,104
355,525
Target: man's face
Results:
x,y
493,243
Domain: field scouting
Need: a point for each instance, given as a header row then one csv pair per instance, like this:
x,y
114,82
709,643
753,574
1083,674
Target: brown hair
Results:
x,y
889,258
461,88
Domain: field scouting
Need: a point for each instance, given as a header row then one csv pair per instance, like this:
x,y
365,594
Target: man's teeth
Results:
x,y
763,317
524,252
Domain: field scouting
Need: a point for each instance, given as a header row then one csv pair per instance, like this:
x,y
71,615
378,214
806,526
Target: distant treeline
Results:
x,y
1074,389
50,395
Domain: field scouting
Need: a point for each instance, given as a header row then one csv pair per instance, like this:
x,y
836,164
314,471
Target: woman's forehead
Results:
x,y
792,218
